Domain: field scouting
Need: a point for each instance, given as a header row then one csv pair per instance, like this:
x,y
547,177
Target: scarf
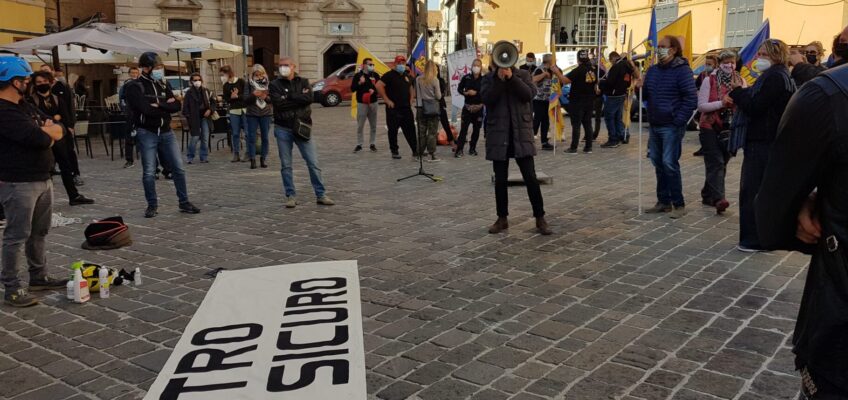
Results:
x,y
260,85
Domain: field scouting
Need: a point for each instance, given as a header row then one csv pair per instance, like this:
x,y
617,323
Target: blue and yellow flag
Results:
x,y
749,53
554,107
379,67
418,57
653,39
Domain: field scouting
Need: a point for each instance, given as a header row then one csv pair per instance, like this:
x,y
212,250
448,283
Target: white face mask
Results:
x,y
197,84
285,72
475,69
225,79
662,52
762,64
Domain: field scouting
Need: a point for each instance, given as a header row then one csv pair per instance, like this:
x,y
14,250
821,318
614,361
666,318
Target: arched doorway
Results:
x,y
585,22
338,55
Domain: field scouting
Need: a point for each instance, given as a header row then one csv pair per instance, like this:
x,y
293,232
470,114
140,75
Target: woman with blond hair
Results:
x,y
428,94
762,106
259,113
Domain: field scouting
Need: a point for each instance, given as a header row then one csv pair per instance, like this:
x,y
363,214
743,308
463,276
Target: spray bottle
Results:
x,y
137,277
103,281
81,293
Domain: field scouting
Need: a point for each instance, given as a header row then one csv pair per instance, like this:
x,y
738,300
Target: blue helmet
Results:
x,y
14,67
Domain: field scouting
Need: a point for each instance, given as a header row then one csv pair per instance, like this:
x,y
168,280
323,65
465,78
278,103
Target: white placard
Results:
x,y
290,332
566,59
459,65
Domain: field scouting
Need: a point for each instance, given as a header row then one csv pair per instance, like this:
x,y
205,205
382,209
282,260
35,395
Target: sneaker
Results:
x,y
722,206
458,154
291,202
547,146
433,158
610,145
189,162
235,158
677,213
472,152
150,212
19,298
2,223
326,201
374,148
78,181
129,164
189,208
357,149
48,283
746,249
659,208
80,199
396,156
587,151
570,151
262,162
204,161
168,175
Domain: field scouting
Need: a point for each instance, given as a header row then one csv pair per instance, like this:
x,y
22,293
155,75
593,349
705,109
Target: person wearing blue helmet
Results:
x,y
26,191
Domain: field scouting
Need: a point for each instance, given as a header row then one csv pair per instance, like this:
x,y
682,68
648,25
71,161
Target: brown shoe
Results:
x,y
499,226
542,226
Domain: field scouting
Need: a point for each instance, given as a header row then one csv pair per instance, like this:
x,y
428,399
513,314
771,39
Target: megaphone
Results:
x,y
504,54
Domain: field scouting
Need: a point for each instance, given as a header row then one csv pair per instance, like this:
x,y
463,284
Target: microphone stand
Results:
x,y
421,171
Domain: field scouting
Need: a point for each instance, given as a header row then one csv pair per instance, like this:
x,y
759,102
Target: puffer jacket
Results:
x,y
508,107
670,92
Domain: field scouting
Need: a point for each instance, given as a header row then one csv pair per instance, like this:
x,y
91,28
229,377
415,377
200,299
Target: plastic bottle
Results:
x,y
81,293
137,277
103,281
70,292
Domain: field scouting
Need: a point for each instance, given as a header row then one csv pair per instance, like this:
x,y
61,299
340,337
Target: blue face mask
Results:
x,y
400,68
157,74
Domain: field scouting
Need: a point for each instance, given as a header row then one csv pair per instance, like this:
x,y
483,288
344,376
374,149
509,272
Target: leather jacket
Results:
x,y
292,101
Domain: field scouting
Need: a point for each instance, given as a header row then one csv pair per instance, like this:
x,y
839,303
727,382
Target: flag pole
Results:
x,y
639,153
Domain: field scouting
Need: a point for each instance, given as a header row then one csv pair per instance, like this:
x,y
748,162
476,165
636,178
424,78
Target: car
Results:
x,y
334,89
174,81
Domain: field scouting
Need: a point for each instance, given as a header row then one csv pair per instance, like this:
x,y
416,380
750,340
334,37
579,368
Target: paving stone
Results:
x,y
448,389
399,390
479,373
757,340
505,357
723,386
20,380
430,373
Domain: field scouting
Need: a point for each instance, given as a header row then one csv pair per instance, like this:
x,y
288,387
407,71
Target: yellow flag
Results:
x,y
554,107
681,28
379,67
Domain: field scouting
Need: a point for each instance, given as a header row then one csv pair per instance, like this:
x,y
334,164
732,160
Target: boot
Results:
x,y
236,158
499,226
252,163
262,162
542,226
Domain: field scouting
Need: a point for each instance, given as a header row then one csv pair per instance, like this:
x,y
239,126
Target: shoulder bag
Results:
x,y
429,107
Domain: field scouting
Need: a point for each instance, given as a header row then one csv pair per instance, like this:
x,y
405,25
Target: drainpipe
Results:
x,y
288,36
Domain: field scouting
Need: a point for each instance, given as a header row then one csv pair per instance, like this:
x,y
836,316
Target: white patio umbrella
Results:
x,y
74,54
101,36
210,49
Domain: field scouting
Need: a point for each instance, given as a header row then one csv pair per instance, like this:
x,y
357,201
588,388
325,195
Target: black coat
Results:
x,y
292,100
195,104
765,108
508,107
811,151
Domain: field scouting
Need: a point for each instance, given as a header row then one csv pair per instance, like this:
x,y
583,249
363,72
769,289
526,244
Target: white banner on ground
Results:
x,y
290,332
459,65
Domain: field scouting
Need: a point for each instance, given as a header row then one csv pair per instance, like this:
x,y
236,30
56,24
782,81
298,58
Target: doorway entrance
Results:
x,y
266,47
337,56
585,23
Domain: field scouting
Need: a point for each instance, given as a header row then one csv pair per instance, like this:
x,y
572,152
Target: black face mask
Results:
x,y
812,58
841,50
43,88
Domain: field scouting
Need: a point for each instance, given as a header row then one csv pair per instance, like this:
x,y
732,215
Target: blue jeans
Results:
x,y
151,145
237,123
612,115
204,142
664,147
264,124
285,142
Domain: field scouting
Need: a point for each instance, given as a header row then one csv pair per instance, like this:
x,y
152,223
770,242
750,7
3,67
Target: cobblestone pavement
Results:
x,y
613,306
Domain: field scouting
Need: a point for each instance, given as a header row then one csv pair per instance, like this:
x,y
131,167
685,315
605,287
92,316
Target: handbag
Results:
x,y
302,130
214,114
429,107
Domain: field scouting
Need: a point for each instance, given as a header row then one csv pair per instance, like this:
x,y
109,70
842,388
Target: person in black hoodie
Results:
x,y
291,97
54,108
763,106
366,102
472,111
26,191
152,102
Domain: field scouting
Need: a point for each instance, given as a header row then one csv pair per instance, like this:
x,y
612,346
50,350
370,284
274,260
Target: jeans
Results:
x,y
204,142
29,208
237,123
264,124
164,145
366,112
716,158
474,119
404,120
753,170
613,117
665,143
541,118
528,173
581,114
285,142
428,129
62,155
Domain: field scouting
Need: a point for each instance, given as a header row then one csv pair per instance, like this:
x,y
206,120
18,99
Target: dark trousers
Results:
x,y
581,114
62,155
401,119
753,169
129,152
541,119
474,119
716,158
443,119
598,107
824,390
528,172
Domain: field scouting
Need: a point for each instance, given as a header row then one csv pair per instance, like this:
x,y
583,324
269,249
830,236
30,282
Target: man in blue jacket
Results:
x,y
672,98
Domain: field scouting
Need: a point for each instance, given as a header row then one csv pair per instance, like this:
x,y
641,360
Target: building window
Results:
x,y
179,25
744,17
666,12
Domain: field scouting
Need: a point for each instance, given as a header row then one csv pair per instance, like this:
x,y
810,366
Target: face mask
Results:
x,y
728,67
531,62
662,52
841,50
285,72
762,64
708,68
197,84
262,81
812,58
370,68
400,68
157,74
225,79
60,79
43,88
475,69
